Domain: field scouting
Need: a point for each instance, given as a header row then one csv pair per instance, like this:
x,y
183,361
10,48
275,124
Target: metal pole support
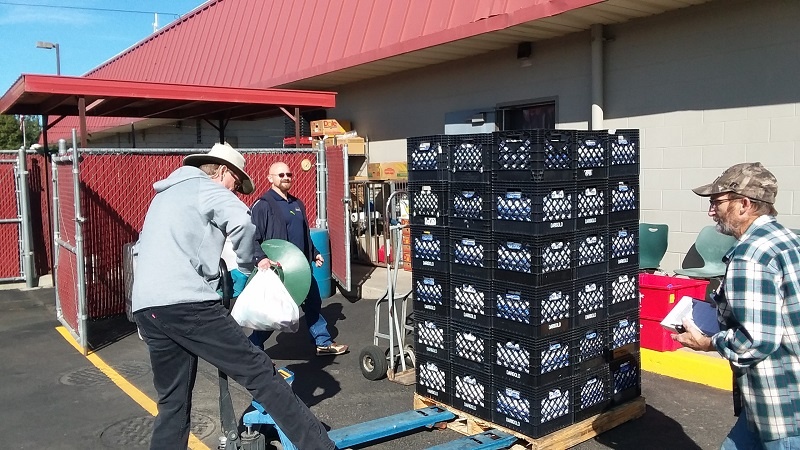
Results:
x,y
24,198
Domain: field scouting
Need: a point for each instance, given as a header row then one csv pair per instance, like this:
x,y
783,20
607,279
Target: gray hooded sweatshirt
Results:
x,y
181,241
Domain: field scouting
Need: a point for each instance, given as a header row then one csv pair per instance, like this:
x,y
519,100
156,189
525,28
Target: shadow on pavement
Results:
x,y
103,332
654,428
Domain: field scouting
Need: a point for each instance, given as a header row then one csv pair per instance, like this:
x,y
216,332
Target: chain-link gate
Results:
x,y
11,235
338,214
24,216
115,187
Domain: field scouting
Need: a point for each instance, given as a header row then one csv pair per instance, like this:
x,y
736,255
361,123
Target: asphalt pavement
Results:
x,y
54,397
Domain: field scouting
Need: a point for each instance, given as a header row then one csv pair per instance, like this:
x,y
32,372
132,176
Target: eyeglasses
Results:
x,y
237,183
713,204
283,174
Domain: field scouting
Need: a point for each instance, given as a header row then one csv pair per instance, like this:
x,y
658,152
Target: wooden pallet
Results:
x,y
570,436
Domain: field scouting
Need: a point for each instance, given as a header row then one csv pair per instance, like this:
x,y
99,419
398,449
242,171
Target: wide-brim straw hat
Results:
x,y
227,155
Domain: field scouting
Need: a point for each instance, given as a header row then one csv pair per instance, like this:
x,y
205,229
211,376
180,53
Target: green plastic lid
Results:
x,y
294,270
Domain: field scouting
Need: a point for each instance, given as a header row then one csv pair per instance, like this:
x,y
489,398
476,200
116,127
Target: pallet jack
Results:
x,y
352,436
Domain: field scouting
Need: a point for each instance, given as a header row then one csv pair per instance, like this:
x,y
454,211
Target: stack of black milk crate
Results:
x,y
525,273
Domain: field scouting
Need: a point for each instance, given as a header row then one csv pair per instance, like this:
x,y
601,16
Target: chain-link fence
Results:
x,y
11,246
116,190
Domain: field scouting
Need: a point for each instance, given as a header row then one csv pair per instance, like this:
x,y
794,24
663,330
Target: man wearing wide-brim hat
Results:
x,y
758,306
178,310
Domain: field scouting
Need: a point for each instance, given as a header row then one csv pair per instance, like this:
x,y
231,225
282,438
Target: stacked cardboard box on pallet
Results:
x,y
525,262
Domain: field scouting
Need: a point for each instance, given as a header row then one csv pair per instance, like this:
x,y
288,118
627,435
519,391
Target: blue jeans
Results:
x,y
177,335
741,438
317,325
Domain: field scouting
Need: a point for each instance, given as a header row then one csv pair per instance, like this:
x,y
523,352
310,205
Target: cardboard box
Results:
x,y
329,127
355,144
395,170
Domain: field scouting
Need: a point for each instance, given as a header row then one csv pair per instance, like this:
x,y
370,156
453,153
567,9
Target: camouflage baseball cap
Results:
x,y
751,180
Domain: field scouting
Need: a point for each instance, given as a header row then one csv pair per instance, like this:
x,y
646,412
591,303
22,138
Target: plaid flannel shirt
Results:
x,y
759,311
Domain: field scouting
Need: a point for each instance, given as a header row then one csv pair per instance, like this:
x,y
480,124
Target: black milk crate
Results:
x,y
533,208
471,299
591,204
472,391
591,155
532,410
432,337
590,300
471,157
469,206
431,292
623,152
472,346
626,378
471,253
623,291
427,158
589,344
592,393
531,361
429,248
591,252
533,155
532,259
624,248
427,203
532,311
434,378
623,200
623,334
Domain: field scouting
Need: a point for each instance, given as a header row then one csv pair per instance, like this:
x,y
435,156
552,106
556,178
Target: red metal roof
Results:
x,y
258,43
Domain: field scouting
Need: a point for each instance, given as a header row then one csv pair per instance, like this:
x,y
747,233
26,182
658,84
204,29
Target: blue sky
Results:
x,y
88,32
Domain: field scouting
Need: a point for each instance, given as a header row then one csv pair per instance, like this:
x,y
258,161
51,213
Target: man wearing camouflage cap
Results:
x,y
758,308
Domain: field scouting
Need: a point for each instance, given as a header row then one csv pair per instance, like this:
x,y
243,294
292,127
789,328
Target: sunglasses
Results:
x,y
237,183
283,174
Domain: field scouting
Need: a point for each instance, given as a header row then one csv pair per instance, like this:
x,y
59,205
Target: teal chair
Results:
x,y
652,245
711,245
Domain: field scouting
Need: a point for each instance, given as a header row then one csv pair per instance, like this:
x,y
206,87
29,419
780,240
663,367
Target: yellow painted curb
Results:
x,y
687,366
132,391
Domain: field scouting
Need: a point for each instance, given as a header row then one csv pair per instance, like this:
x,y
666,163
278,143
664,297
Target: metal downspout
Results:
x,y
597,77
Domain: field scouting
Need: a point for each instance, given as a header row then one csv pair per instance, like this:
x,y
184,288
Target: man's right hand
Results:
x,y
266,264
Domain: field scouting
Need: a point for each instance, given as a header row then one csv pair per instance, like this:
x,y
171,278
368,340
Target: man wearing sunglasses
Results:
x,y
758,307
280,215
178,310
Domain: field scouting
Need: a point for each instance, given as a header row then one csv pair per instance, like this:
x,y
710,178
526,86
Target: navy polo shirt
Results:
x,y
291,211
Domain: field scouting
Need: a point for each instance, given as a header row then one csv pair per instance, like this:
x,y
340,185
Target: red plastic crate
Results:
x,y
660,293
655,337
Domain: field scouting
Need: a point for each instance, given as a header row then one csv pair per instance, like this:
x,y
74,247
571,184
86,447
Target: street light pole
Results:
x,y
52,45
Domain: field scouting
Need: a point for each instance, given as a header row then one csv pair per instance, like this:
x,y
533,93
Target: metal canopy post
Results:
x,y
27,243
82,119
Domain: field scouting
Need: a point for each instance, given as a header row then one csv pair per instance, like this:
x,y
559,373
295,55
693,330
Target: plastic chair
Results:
x,y
652,244
711,245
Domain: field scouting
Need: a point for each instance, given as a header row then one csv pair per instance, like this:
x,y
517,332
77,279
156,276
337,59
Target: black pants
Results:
x,y
177,335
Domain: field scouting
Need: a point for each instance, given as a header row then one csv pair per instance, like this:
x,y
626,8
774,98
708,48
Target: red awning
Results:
x,y
61,96
53,95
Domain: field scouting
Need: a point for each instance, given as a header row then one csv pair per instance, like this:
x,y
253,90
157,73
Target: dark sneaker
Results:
x,y
333,349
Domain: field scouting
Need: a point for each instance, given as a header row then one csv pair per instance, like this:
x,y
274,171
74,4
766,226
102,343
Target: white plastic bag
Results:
x,y
265,304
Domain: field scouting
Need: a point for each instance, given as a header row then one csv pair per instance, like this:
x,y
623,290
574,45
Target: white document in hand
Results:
x,y
704,316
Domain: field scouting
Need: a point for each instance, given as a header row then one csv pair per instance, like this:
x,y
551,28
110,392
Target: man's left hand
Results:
x,y
693,338
319,260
